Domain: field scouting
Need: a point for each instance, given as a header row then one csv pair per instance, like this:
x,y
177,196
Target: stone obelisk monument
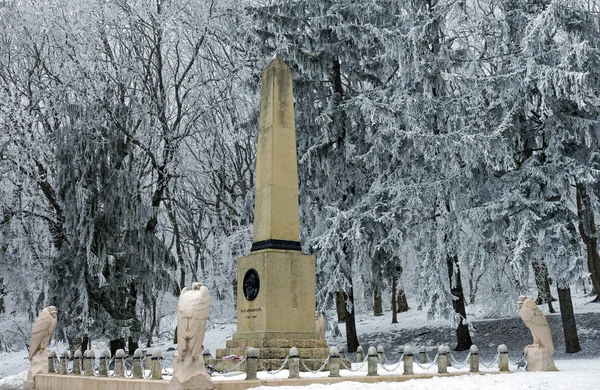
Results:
x,y
276,281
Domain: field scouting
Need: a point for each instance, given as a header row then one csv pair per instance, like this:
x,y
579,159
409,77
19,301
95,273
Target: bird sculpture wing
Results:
x,y
192,314
180,333
42,332
537,323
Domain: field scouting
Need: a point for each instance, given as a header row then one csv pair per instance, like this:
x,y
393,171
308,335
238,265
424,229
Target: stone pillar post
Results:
x,y
448,355
408,360
474,360
77,362
103,363
380,356
51,357
423,355
372,362
503,358
359,354
156,366
334,362
294,363
119,367
206,356
251,364
63,363
148,360
442,360
138,355
88,363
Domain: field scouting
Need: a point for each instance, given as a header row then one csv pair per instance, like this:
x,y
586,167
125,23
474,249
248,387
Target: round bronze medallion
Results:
x,y
251,284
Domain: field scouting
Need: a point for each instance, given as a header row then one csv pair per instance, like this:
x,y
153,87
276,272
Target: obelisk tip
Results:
x,y
277,62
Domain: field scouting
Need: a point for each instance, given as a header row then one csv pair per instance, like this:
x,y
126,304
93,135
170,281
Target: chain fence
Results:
x,y
315,371
394,367
459,365
521,362
427,366
274,372
355,369
493,363
167,369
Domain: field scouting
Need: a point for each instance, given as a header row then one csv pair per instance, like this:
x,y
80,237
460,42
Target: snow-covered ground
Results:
x,y
413,329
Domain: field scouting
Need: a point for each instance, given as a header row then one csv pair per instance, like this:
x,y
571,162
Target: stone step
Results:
x,y
276,343
223,366
275,353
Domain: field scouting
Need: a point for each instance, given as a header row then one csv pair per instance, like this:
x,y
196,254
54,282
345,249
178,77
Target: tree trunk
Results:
x,y
540,272
340,306
2,294
402,302
115,345
394,307
586,217
85,343
178,246
377,304
568,320
131,346
351,336
153,323
463,338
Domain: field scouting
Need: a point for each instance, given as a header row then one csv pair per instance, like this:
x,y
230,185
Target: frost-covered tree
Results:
x,y
119,97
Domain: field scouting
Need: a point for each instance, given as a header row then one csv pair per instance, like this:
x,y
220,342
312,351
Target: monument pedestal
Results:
x,y
276,309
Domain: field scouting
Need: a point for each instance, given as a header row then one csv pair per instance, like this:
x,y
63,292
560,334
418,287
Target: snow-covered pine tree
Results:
x,y
560,50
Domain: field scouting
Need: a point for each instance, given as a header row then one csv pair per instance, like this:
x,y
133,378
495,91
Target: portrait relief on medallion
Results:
x,y
251,284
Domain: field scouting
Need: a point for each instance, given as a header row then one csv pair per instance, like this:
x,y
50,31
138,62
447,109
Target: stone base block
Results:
x,y
539,359
197,382
272,353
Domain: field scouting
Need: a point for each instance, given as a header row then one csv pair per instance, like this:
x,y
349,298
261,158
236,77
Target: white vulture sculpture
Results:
x,y
537,323
42,331
192,314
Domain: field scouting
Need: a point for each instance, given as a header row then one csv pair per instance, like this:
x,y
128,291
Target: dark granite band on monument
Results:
x,y
276,244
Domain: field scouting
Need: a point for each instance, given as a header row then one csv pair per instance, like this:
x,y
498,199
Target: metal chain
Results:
x,y
425,366
107,362
386,361
242,360
493,362
398,363
275,371
317,371
164,368
521,362
56,365
458,365
356,369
